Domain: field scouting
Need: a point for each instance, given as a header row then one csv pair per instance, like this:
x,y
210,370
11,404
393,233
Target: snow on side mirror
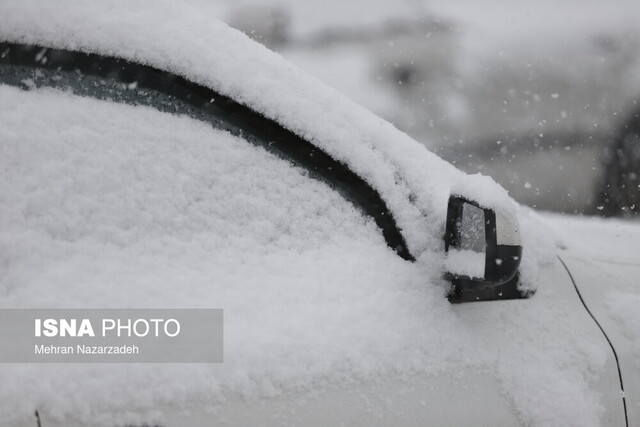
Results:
x,y
483,252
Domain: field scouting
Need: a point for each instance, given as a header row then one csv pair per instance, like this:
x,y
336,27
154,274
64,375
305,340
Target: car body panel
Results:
x,y
466,396
603,285
545,360
436,400
413,181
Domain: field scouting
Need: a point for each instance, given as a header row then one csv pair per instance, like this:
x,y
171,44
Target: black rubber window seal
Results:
x,y
615,354
281,141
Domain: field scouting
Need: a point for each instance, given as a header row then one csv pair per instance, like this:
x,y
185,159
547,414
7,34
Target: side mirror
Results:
x,y
483,252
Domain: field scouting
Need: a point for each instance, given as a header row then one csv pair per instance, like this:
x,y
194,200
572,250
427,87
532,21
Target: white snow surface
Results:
x,y
180,39
482,189
613,245
465,262
118,207
109,205
623,308
605,240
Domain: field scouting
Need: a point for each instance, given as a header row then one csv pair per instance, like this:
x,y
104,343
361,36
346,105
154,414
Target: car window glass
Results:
x,y
106,182
118,80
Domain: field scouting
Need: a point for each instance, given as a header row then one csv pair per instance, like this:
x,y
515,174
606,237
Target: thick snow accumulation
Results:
x,y
610,240
465,262
117,206
623,307
413,181
108,205
612,245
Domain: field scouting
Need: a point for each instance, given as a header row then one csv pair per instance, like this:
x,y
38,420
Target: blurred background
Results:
x,y
544,96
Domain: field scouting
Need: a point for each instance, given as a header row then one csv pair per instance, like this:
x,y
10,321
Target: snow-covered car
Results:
x,y
152,157
527,93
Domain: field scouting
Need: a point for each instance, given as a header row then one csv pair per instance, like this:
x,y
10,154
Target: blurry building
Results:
x,y
536,114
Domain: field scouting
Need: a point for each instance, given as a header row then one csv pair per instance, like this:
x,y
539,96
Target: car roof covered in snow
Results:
x,y
178,38
392,319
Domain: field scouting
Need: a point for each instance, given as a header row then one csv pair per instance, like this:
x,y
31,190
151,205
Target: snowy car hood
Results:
x,y
414,182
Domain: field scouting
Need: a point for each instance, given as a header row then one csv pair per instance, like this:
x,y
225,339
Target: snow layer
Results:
x,y
623,308
107,205
413,181
612,244
118,206
606,240
163,234
465,262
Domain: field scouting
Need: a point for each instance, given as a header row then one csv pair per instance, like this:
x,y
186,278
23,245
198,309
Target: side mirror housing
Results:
x,y
483,252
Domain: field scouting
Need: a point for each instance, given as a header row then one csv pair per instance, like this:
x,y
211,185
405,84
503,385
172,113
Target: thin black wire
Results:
x,y
615,355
